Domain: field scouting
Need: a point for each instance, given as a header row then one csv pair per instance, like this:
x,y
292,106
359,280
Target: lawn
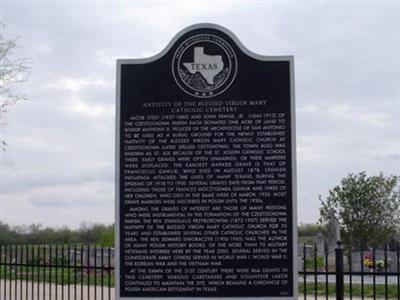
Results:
x,y
392,292
82,275
63,276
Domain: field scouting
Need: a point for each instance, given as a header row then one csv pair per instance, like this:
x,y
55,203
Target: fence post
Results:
x,y
339,272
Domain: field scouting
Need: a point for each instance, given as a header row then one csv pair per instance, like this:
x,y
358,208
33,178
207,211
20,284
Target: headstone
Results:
x,y
396,237
394,243
321,244
205,171
333,232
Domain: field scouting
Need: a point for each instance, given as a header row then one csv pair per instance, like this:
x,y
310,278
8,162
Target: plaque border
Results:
x,y
288,58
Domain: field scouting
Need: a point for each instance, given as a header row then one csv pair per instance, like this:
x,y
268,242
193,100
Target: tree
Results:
x,y
12,72
368,209
310,229
99,234
96,234
5,234
107,236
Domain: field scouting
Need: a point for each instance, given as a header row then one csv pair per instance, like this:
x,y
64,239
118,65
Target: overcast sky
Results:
x,y
59,166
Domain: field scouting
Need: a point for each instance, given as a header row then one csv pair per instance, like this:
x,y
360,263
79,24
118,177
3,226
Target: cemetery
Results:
x,y
206,188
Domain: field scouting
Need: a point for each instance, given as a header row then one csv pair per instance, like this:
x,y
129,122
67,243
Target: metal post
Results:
x,y
339,272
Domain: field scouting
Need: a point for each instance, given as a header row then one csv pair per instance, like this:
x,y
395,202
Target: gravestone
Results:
x,y
321,243
394,243
333,232
205,171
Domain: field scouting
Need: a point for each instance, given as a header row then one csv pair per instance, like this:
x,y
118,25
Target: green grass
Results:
x,y
46,274
356,290
311,262
56,275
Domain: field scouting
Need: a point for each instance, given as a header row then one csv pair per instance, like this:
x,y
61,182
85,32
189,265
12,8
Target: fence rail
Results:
x,y
348,274
38,272
77,272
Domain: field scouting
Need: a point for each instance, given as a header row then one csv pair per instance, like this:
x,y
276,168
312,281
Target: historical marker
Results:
x,y
205,171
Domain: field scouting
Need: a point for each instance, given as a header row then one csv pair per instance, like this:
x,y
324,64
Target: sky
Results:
x,y
58,168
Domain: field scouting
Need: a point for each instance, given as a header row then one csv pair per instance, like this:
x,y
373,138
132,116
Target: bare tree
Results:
x,y
13,71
